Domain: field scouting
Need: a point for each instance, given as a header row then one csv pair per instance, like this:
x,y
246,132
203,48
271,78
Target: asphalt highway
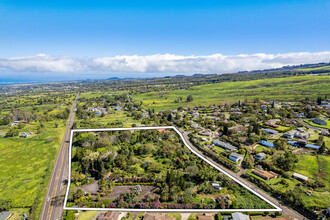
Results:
x,y
52,207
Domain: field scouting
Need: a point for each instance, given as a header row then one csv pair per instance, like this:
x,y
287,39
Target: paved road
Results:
x,y
53,208
286,210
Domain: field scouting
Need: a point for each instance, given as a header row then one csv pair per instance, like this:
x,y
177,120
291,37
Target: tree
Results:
x,y
12,132
190,98
287,161
322,148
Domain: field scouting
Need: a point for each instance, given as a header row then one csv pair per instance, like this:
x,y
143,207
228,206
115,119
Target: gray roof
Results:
x,y
235,155
224,145
239,216
271,131
5,215
261,155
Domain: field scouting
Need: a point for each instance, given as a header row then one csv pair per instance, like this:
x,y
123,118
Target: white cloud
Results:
x,y
159,63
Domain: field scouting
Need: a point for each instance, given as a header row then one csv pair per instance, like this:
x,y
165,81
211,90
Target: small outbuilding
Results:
x,y
300,177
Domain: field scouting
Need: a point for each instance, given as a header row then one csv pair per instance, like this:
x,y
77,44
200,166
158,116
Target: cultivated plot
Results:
x,y
150,169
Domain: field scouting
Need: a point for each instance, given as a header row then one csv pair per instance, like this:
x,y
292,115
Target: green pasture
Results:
x,y
307,165
26,164
289,88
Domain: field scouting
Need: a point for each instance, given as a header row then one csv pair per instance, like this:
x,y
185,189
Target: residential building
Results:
x,y
260,156
265,174
271,124
312,146
204,217
266,144
270,131
224,145
300,177
289,134
239,216
235,157
319,121
324,133
5,215
152,216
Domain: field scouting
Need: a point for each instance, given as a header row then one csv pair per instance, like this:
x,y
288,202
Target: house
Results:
x,y
15,123
24,134
119,108
301,135
293,143
260,156
235,157
204,217
324,133
108,215
270,131
289,134
300,177
224,145
239,216
312,146
216,185
271,124
319,121
265,174
195,114
5,215
207,133
153,216
266,144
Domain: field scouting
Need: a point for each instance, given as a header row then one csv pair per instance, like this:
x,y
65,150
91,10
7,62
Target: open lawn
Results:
x,y
307,165
289,88
87,215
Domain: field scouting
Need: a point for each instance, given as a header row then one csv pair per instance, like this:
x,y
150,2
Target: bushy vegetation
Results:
x,y
148,158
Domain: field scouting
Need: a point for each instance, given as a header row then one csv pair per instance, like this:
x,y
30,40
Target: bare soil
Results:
x,y
117,190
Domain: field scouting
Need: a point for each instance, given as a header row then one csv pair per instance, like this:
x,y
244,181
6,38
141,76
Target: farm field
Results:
x,y
26,164
289,88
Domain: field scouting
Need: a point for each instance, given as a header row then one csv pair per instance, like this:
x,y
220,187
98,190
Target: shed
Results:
x,y
300,177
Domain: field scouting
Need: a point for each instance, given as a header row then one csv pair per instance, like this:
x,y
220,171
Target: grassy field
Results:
x,y
177,216
26,164
307,165
87,215
289,88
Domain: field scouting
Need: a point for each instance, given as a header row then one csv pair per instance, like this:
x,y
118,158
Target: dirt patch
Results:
x,y
3,133
92,188
117,190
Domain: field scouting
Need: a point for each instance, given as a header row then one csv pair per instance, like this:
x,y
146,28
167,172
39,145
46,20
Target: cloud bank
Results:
x,y
159,63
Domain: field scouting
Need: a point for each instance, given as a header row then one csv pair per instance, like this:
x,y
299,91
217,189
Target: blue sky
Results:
x,y
92,29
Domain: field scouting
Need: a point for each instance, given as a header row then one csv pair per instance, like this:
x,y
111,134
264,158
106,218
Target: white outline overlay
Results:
x,y
277,209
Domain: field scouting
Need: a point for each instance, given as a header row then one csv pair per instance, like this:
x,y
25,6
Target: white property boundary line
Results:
x,y
278,209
